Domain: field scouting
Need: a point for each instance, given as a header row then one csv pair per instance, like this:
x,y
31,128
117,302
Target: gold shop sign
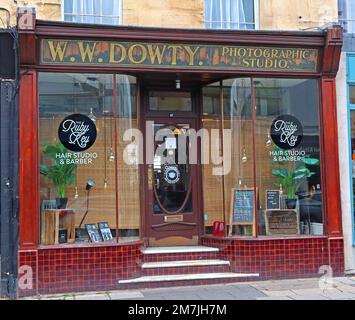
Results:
x,y
177,55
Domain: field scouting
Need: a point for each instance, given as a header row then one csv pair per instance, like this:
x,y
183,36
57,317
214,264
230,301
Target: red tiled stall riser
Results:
x,y
281,258
95,268
87,268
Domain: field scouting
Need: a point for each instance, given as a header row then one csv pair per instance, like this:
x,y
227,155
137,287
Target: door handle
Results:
x,y
150,177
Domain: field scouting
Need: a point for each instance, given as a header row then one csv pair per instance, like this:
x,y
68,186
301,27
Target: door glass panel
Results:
x,y
171,169
352,128
352,94
170,101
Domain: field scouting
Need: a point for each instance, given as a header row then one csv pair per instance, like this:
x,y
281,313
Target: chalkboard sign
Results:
x,y
242,208
243,205
272,199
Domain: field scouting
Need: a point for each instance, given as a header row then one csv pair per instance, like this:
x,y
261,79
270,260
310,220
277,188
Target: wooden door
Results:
x,y
171,189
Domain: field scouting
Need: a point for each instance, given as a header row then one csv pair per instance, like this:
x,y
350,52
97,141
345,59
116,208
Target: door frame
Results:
x,y
145,115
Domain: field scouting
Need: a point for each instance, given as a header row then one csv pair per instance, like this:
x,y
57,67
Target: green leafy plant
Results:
x,y
61,174
292,175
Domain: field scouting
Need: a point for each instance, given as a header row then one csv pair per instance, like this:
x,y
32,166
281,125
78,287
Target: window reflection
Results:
x,y
92,96
295,173
286,189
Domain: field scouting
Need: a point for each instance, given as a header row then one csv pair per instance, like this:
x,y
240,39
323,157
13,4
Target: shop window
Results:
x,y
212,184
346,12
88,192
352,139
229,194
239,184
93,11
288,157
352,94
351,111
272,171
230,14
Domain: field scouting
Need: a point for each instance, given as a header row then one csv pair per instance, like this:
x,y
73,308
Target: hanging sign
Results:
x,y
286,132
177,55
77,132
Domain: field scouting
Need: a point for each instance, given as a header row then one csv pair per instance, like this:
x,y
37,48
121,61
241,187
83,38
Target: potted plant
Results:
x,y
61,174
291,175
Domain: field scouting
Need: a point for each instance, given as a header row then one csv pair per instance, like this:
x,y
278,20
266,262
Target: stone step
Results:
x,y
190,278
184,263
185,267
161,254
178,249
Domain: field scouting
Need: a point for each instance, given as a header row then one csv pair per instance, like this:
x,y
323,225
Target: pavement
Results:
x,y
340,288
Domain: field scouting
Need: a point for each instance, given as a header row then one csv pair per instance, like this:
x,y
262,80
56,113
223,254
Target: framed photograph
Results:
x,y
93,232
105,231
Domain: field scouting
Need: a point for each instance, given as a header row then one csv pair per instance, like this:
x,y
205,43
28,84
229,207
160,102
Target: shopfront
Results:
x,y
138,139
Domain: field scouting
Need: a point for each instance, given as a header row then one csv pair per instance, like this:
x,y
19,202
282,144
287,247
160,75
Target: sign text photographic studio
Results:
x,y
177,55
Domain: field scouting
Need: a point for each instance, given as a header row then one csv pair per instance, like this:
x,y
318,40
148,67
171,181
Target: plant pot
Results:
x,y
291,203
61,203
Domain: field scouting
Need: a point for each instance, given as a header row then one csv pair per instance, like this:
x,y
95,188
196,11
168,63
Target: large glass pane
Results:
x,y
239,175
92,11
127,161
352,94
288,157
352,128
81,158
236,180
229,14
212,183
72,108
172,178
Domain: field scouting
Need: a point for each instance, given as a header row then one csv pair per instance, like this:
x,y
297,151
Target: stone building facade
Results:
x,y
270,14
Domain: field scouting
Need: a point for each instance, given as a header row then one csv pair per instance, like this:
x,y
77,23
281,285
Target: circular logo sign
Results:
x,y
77,132
171,174
286,132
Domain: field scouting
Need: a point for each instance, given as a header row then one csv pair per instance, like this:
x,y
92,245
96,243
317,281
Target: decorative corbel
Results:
x,y
332,51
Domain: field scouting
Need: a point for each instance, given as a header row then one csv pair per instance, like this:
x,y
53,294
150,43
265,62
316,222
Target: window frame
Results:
x,y
350,107
256,17
349,18
119,17
347,21
117,239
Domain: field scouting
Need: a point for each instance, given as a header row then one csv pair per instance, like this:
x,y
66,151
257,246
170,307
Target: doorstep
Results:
x,y
178,249
184,263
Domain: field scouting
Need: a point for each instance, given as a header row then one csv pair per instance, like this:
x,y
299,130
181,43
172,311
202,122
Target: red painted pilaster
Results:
x,y
28,161
331,180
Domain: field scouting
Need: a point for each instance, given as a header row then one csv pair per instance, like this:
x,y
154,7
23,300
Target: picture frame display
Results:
x,y
93,232
105,231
